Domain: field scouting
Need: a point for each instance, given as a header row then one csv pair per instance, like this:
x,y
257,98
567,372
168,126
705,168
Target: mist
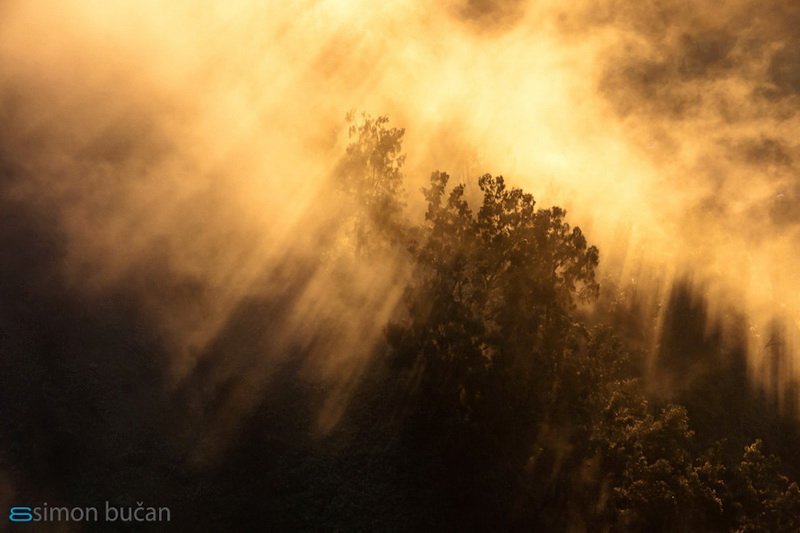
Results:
x,y
174,163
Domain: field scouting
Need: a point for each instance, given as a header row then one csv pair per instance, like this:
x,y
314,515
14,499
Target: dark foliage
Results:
x,y
524,417
493,403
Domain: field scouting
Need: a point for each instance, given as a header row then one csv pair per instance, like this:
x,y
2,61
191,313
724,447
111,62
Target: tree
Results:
x,y
762,497
494,291
516,413
488,320
654,479
371,179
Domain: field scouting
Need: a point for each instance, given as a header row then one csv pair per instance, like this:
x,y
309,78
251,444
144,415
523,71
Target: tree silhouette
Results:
x,y
371,179
515,413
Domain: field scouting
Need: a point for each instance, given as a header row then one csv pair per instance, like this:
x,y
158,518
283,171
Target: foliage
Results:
x,y
493,290
765,499
520,414
656,482
370,176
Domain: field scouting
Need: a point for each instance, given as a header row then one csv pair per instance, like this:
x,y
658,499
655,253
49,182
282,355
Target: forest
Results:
x,y
542,277
509,390
526,404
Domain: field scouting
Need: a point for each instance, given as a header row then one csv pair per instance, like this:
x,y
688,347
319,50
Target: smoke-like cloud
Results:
x,y
710,94
176,159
